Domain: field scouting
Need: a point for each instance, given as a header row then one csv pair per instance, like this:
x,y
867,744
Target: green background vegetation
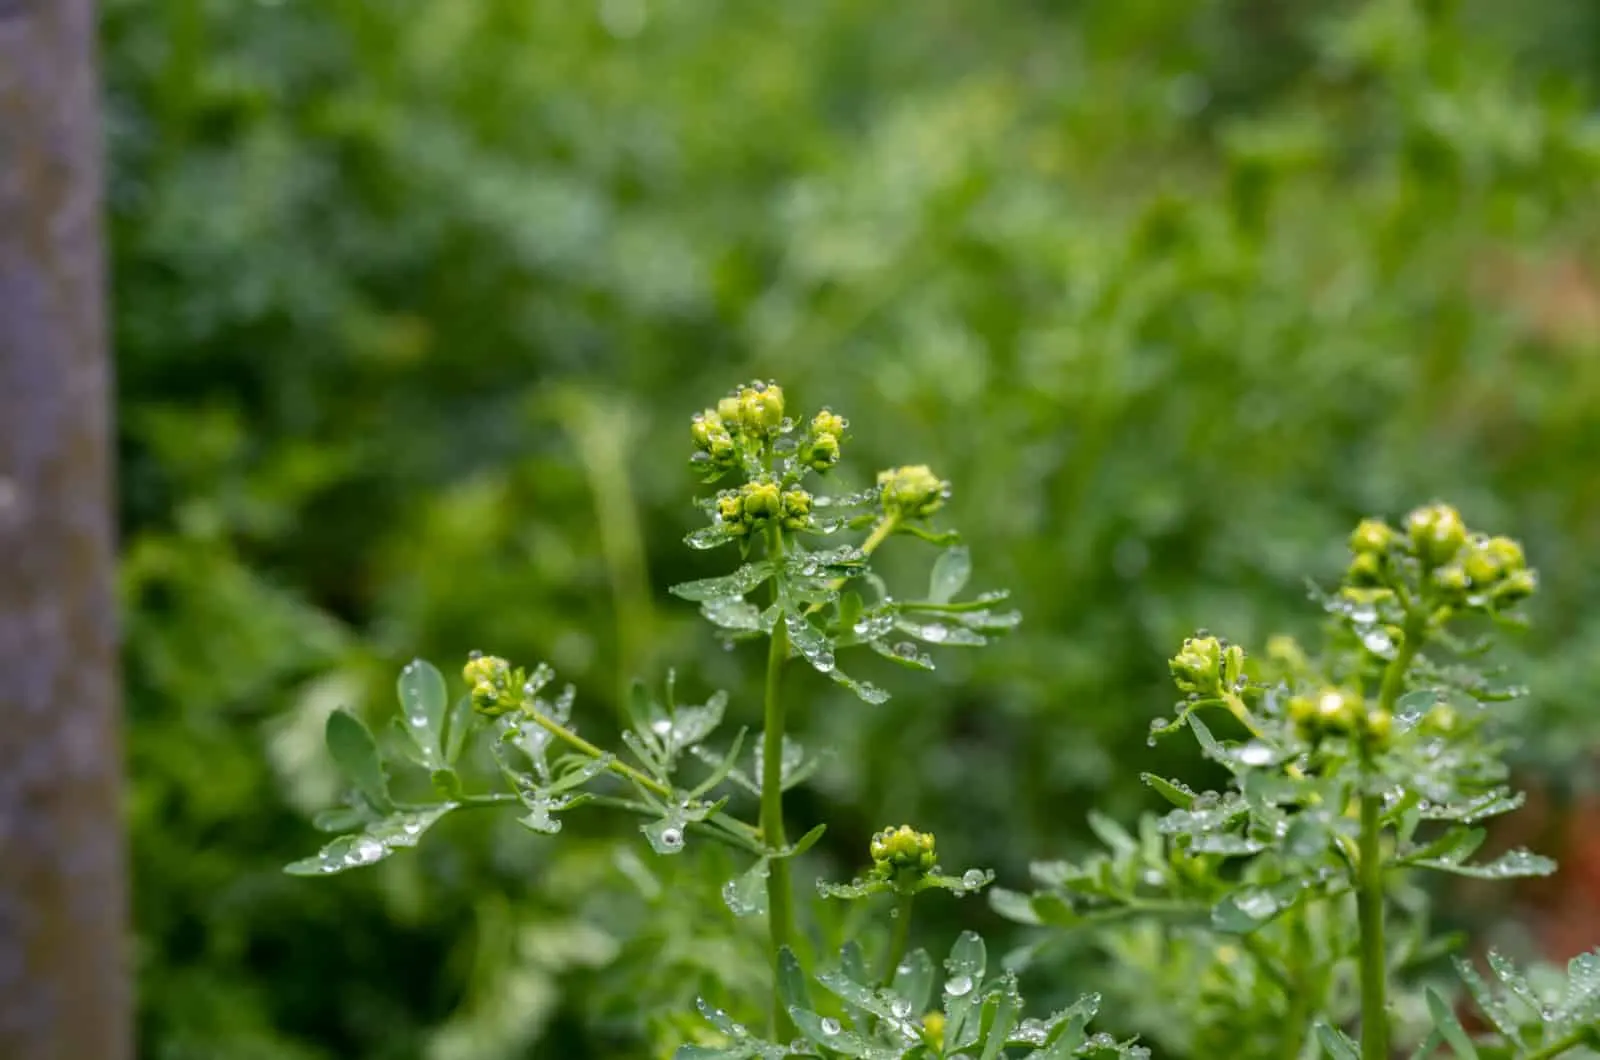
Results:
x,y
414,300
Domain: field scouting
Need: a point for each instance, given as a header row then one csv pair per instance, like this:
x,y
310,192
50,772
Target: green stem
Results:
x,y
1585,1035
899,938
780,896
1369,872
627,772
1369,908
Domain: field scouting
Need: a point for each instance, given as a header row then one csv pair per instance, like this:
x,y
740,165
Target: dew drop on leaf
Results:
x,y
960,986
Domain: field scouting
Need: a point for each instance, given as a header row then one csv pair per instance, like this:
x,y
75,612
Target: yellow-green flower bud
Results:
x,y
827,424
730,412
1515,587
1506,552
1437,533
1441,719
933,1030
704,427
821,452
490,679
761,500
1337,711
730,509
481,667
1197,668
1366,568
1303,712
1379,726
796,509
1452,580
1371,536
911,492
899,849
761,406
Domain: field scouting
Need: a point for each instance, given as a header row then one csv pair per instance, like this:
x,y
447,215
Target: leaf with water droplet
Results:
x,y
423,702
1245,910
458,725
746,894
825,1031
1513,864
866,691
810,642
740,582
355,752
1492,1006
913,980
379,840
1445,1021
1175,792
938,632
964,970
666,835
792,990
708,537
904,654
1337,1043
732,612
950,573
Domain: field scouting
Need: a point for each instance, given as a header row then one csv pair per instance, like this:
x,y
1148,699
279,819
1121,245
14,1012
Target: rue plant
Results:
x,y
1349,773
1277,917
811,596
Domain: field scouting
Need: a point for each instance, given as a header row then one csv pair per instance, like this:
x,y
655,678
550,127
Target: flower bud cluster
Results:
x,y
756,504
1460,567
1207,666
1336,712
492,684
899,850
912,492
820,450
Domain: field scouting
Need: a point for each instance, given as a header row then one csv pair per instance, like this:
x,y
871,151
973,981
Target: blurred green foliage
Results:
x,y
407,293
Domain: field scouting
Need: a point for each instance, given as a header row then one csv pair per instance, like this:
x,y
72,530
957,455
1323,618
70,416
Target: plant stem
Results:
x,y
1369,907
622,769
1369,872
899,938
1585,1035
780,897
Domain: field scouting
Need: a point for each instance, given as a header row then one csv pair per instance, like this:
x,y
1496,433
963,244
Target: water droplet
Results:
x,y
473,654
900,1007
661,726
960,986
365,851
1255,753
672,837
974,878
823,661
830,1026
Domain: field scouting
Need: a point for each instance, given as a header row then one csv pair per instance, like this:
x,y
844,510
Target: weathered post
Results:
x,y
64,989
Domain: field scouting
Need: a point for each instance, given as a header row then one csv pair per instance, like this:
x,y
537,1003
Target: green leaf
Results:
x,y
725,766
1174,792
804,843
458,726
1014,906
1337,1043
379,840
950,573
746,894
825,1031
963,985
792,990
422,701
355,752
1444,1019
913,980
1247,909
1515,864
1112,834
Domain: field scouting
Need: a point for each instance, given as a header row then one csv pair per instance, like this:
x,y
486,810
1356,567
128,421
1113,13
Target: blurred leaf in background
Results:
x,y
414,299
